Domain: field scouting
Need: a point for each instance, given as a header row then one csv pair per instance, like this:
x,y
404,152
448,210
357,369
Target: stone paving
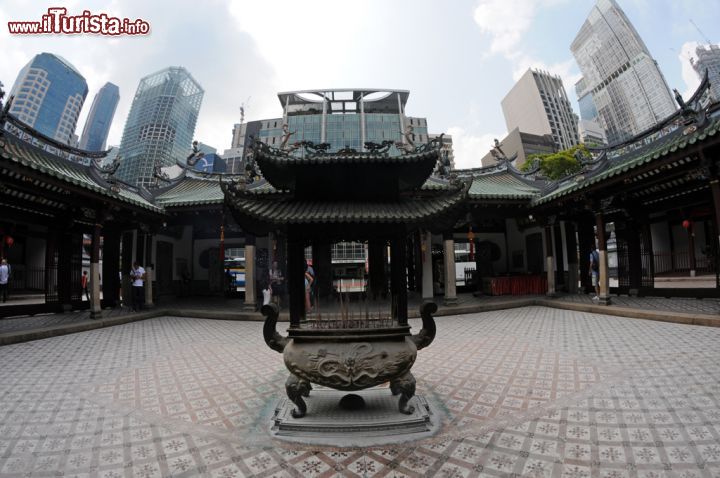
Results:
x,y
531,391
709,306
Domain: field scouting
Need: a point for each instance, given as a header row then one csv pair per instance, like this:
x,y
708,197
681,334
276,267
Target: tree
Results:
x,y
556,165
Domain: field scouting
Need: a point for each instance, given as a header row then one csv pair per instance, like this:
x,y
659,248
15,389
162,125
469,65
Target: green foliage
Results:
x,y
556,165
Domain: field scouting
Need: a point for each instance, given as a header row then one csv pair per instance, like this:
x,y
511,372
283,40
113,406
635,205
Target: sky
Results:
x,y
458,58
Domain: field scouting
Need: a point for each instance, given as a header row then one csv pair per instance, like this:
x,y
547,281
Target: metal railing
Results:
x,y
679,261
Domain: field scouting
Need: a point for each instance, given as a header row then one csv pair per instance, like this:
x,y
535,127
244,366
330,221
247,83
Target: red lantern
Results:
x,y
686,224
9,241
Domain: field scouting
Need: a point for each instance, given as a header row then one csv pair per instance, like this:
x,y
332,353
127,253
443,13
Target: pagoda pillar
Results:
x,y
149,270
715,189
560,262
111,268
125,266
322,263
296,280
572,255
95,309
691,247
398,278
377,260
549,261
450,286
427,276
604,298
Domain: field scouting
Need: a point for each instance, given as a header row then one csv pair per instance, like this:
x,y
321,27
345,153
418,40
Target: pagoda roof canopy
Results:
x,y
259,210
347,173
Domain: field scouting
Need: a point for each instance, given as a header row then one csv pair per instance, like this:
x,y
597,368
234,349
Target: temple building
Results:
x,y
650,204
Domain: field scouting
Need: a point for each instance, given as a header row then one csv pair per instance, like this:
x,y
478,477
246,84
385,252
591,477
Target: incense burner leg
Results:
x,y
296,389
405,387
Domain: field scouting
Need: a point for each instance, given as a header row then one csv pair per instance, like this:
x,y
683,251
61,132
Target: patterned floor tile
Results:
x,y
529,392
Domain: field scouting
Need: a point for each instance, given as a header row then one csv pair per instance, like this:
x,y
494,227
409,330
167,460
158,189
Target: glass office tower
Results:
x,y
160,126
49,94
97,124
625,83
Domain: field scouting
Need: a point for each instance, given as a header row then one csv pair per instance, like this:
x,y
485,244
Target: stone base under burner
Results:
x,y
378,423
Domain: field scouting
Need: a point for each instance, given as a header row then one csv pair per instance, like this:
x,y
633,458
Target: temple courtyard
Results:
x,y
531,391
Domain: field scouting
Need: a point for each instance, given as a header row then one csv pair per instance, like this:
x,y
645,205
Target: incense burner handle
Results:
x,y
427,334
272,338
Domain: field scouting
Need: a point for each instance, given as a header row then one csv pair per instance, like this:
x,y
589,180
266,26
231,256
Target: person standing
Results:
x,y
595,270
277,283
4,279
84,284
137,276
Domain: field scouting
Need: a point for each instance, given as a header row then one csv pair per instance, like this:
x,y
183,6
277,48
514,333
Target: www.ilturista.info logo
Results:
x,y
58,21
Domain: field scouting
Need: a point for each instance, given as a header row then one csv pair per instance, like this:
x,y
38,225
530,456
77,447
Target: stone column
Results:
x,y
572,255
604,270
427,275
559,260
250,303
398,277
111,267
95,309
634,272
450,290
691,247
549,261
715,188
126,265
149,272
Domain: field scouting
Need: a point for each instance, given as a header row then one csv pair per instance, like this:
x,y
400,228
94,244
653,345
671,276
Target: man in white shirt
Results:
x,y
4,279
137,276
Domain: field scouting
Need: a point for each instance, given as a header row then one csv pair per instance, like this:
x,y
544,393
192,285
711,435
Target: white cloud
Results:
x,y
506,21
689,75
469,148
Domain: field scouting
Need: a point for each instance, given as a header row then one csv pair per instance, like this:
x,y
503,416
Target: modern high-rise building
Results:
x,y
344,118
625,83
708,58
585,101
591,134
522,145
243,135
97,124
160,126
49,94
538,105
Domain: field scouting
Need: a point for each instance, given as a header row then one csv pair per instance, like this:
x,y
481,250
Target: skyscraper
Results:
x,y
97,124
537,104
708,58
625,83
49,93
161,124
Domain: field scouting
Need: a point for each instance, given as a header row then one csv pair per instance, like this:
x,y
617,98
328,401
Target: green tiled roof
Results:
x,y
65,170
501,186
282,209
191,192
654,150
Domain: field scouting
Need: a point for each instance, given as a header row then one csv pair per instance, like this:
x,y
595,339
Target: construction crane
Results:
x,y
707,40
